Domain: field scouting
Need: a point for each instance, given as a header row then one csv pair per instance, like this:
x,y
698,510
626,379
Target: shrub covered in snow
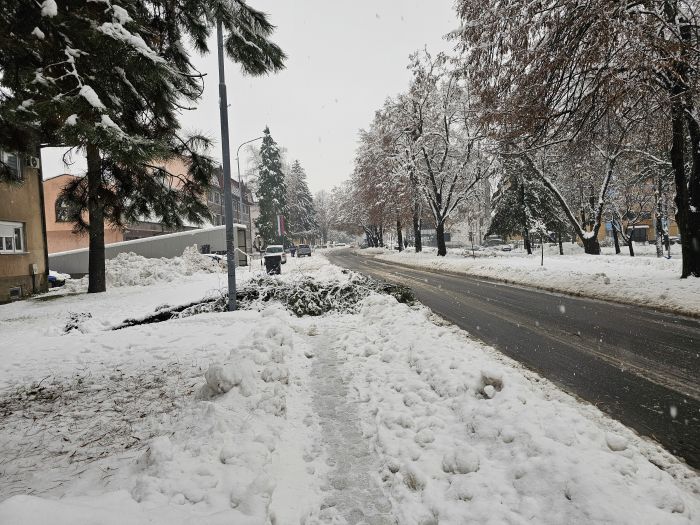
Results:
x,y
307,296
303,295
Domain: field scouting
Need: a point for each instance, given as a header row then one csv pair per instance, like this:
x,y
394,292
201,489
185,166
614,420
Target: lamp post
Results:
x,y
226,161
240,189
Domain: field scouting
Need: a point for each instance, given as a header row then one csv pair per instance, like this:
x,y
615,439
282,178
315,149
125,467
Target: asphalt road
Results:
x,y
640,366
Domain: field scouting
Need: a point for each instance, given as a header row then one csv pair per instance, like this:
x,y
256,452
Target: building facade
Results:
x,y
60,236
23,252
59,229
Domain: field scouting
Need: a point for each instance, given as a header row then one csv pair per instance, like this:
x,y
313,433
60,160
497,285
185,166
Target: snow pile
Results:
x,y
129,269
649,281
464,435
221,440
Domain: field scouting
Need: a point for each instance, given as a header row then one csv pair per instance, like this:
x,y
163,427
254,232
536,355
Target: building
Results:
x,y
215,203
23,253
60,236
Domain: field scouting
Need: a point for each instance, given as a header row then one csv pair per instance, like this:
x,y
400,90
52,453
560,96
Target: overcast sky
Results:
x,y
344,59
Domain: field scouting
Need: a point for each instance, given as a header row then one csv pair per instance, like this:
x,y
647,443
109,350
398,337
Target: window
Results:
x,y
11,237
11,162
63,210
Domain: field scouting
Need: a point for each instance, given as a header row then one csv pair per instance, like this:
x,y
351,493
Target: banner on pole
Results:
x,y
280,225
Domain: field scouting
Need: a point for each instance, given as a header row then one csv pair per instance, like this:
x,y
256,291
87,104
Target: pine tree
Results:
x,y
272,191
524,205
301,216
111,81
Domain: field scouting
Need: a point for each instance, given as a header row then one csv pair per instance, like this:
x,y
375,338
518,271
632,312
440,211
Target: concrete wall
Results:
x,y
75,262
23,204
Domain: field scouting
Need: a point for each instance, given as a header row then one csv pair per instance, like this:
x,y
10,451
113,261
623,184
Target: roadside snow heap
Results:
x,y
378,414
129,269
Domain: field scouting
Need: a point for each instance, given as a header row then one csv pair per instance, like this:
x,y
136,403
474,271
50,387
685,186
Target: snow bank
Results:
x,y
643,280
221,440
466,435
129,269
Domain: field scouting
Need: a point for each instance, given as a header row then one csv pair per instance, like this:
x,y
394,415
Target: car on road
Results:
x,y
304,250
276,249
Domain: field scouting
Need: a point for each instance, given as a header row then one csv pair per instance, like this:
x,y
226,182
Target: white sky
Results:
x,y
344,59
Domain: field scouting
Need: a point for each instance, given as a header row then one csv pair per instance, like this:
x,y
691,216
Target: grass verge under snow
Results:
x,y
643,280
225,418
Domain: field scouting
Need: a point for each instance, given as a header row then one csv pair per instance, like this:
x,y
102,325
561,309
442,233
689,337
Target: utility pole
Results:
x,y
225,153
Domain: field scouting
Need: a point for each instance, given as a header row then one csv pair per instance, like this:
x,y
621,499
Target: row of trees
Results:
x,y
419,156
581,112
110,80
282,192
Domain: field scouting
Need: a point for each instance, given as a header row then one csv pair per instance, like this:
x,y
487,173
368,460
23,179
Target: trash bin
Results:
x,y
273,264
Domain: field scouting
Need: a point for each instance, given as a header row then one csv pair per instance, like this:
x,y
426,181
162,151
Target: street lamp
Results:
x,y
240,189
225,152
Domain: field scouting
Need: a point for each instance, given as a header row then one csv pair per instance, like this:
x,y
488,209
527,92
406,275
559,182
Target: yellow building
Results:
x,y
23,254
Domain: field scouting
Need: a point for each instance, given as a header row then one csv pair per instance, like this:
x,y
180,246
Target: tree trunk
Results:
x,y
96,258
659,226
380,237
440,234
615,239
526,242
591,246
417,241
631,246
687,187
561,245
693,220
399,233
678,164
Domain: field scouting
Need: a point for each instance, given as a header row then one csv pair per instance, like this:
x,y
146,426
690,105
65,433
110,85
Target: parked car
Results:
x,y
57,279
304,250
276,249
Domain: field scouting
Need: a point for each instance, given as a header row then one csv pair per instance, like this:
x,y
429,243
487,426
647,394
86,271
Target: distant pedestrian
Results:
x,y
292,250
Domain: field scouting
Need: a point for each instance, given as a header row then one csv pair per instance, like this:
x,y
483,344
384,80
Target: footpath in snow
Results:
x,y
375,412
643,280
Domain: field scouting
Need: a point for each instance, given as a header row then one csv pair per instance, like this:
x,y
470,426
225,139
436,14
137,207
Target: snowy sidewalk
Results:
x,y
353,494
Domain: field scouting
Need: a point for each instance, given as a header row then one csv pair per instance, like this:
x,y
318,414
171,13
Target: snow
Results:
x,y
644,280
120,14
106,122
93,99
49,8
72,120
38,33
117,31
129,269
387,415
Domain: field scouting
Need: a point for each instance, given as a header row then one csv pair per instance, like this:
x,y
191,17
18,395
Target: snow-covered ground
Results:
x,y
384,415
644,279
